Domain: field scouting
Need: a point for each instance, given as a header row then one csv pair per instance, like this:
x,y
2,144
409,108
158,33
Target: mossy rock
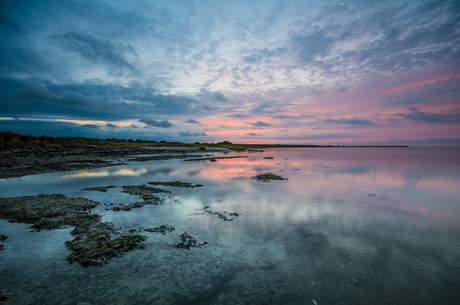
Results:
x,y
267,177
97,252
176,184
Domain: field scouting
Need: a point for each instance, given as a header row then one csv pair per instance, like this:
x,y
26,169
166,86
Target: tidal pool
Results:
x,y
349,226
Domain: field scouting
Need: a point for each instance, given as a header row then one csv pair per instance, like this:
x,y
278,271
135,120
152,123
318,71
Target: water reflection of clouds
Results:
x,y
106,173
439,184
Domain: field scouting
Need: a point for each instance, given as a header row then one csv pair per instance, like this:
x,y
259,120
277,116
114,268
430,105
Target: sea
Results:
x,y
348,225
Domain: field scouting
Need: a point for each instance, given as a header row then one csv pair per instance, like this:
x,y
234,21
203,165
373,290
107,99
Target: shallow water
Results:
x,y
349,226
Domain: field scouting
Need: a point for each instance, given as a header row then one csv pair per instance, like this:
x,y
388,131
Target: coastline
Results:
x,y
24,162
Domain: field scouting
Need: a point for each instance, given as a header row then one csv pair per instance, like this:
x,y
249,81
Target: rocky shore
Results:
x,y
22,162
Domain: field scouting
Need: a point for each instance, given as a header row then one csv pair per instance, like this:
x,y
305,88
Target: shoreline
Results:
x,y
23,162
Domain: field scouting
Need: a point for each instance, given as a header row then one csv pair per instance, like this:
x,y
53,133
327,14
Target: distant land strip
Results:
x,y
12,140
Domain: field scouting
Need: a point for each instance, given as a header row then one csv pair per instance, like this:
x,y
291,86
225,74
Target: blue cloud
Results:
x,y
257,55
354,121
92,126
220,97
193,134
432,117
238,116
310,45
259,124
192,121
157,123
97,50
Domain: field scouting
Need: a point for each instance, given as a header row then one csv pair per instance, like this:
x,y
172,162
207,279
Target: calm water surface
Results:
x,y
350,226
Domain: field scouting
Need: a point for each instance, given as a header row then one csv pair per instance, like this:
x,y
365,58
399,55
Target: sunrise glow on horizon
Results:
x,y
287,72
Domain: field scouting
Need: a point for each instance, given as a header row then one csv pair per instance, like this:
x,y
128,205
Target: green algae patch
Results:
x,y
176,184
98,251
93,244
267,177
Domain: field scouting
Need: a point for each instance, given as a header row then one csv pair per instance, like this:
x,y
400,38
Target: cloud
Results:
x,y
157,123
284,116
238,116
134,126
91,100
354,121
193,134
192,121
432,117
257,55
309,46
252,134
96,50
270,107
259,124
317,128
318,137
93,126
220,97
111,125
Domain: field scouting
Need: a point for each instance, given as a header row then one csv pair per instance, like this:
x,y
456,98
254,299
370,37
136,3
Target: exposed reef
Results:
x,y
142,191
93,243
47,212
176,184
161,229
21,162
267,177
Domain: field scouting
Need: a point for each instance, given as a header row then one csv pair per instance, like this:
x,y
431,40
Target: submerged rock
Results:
x,y
222,215
188,241
253,287
4,295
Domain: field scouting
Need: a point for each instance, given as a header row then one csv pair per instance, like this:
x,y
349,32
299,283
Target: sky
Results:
x,y
288,72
